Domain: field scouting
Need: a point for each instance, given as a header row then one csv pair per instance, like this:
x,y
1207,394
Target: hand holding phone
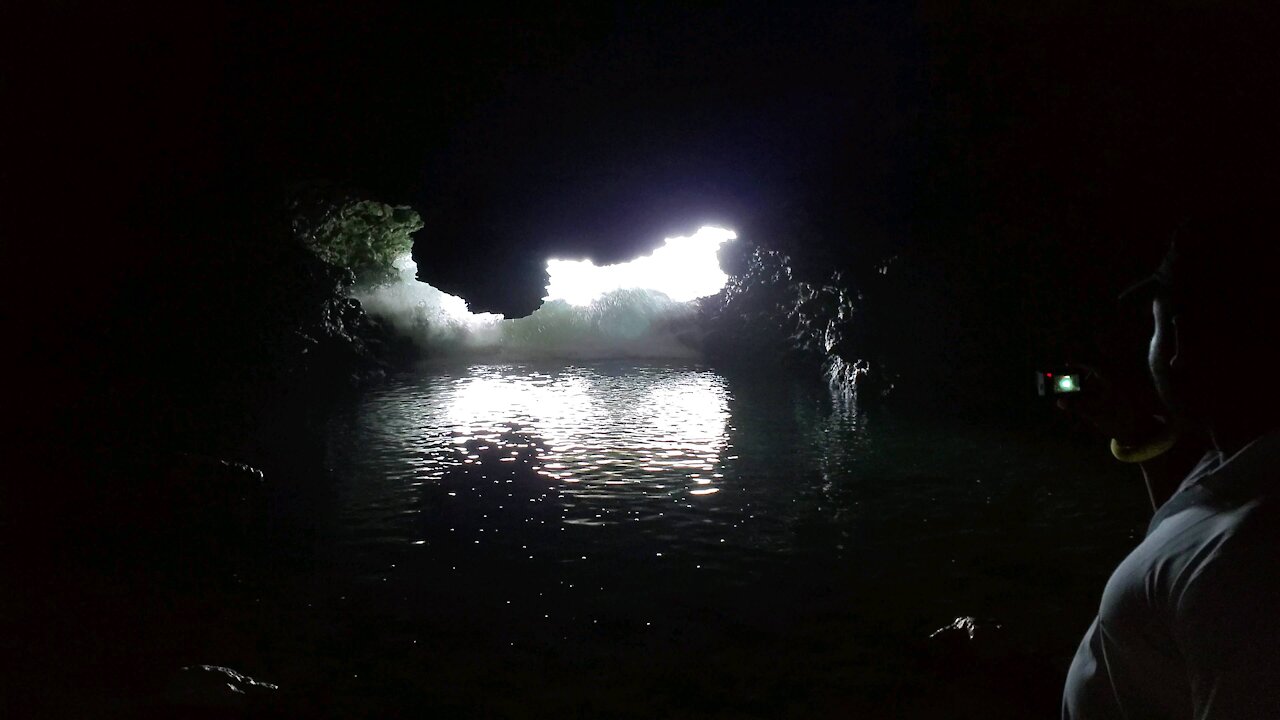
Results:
x,y
1062,381
1114,410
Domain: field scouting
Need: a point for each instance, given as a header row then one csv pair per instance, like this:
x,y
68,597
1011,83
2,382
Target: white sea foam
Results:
x,y
641,308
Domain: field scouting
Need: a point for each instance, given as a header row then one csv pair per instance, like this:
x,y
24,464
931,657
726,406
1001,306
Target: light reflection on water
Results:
x,y
600,430
489,449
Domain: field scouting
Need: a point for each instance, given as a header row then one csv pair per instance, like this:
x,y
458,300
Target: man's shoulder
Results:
x,y
1191,610
1223,519
1238,553
1224,618
1207,540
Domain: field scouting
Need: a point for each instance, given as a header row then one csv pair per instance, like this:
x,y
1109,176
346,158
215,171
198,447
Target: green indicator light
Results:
x,y
1066,383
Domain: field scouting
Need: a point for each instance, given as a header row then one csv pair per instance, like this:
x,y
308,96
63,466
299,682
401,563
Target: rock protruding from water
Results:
x,y
767,312
975,668
213,688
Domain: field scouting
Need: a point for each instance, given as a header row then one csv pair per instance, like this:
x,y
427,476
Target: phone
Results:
x,y
1052,383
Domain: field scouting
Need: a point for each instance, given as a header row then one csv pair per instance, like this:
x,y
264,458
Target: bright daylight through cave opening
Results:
x,y
684,268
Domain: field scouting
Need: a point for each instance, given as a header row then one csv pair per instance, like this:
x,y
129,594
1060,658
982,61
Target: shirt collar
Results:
x,y
1248,466
1227,481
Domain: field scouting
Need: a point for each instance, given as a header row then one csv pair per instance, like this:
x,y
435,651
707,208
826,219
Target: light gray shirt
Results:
x,y
1189,624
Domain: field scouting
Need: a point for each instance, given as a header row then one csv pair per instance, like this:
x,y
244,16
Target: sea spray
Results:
x,y
616,311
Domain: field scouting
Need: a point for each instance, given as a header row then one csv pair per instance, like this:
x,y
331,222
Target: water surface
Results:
x,y
609,540
665,537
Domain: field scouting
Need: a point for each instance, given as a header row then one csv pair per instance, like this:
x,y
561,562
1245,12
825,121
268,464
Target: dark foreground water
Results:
x,y
615,541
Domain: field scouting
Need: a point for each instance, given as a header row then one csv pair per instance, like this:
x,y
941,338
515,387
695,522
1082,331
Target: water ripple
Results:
x,y
497,448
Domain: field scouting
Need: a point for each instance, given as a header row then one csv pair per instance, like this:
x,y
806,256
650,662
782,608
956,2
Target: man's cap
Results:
x,y
1217,260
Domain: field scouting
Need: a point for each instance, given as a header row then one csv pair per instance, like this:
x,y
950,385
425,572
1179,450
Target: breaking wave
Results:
x,y
607,315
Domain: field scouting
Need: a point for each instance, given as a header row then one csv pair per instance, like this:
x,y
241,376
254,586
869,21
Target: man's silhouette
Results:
x,y
1189,623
